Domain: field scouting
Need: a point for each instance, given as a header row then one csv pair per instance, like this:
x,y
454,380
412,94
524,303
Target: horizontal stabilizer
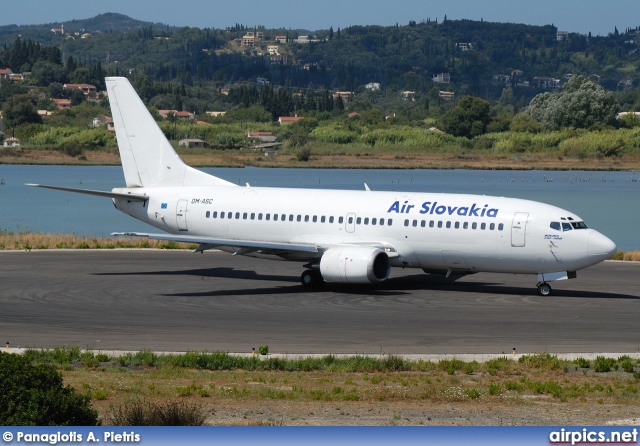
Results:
x,y
99,193
257,245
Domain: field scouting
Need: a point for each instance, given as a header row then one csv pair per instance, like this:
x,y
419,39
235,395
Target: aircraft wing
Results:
x,y
205,243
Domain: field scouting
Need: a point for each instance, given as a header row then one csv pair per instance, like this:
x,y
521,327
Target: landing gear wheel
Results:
x,y
311,279
544,289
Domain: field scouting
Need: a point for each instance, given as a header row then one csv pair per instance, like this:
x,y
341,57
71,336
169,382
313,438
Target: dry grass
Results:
x,y
631,256
497,392
26,241
395,158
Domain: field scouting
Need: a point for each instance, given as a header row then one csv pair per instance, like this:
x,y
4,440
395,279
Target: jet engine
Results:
x,y
355,265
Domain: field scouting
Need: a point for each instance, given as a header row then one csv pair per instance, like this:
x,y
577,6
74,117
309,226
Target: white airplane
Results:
x,y
341,236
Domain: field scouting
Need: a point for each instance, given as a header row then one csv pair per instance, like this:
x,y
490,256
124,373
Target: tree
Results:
x,y
45,73
469,118
34,395
20,110
582,104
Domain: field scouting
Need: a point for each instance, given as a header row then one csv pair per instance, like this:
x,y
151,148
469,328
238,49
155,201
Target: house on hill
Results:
x,y
285,120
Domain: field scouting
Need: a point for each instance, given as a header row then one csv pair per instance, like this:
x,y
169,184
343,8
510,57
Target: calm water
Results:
x,y
607,201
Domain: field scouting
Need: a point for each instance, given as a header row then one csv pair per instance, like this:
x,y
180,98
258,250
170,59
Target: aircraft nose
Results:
x,y
599,246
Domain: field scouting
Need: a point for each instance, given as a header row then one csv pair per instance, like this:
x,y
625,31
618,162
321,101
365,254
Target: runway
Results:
x,y
179,301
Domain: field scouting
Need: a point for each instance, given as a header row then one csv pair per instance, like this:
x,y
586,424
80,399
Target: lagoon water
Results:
x,y
607,201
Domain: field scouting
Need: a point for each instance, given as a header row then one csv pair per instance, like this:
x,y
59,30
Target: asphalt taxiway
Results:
x,y
178,301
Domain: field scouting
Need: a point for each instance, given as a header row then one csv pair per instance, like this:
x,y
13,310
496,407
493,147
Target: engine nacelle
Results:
x,y
355,265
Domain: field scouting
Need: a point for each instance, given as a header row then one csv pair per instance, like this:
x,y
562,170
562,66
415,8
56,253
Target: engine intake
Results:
x,y
355,265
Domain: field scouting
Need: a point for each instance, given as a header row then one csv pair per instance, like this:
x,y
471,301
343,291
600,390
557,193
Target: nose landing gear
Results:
x,y
544,289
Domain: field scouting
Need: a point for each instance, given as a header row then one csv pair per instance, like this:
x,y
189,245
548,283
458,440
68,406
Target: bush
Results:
x,y
144,413
263,349
34,395
602,364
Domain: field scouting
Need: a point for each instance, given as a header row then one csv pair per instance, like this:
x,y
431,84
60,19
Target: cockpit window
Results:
x,y
579,225
566,226
555,225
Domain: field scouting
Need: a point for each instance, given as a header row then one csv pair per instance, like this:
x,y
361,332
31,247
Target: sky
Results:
x,y
583,16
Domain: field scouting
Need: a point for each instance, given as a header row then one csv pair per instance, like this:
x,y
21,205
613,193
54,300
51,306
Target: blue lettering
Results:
x,y
433,208
425,207
452,209
463,211
473,212
492,213
441,210
395,207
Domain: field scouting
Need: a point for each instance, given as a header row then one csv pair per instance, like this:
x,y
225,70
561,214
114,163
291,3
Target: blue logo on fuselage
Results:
x,y
431,208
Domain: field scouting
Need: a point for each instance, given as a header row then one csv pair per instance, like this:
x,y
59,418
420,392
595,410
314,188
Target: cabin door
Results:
x,y
181,214
519,229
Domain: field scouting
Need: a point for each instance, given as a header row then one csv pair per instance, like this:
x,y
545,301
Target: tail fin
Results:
x,y
148,160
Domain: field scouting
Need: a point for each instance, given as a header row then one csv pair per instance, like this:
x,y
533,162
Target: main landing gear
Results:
x,y
311,279
544,289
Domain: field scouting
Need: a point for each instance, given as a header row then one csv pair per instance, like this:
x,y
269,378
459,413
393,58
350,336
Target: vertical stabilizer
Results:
x,y
148,159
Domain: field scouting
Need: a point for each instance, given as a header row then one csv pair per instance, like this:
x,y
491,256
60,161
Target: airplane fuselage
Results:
x,y
436,232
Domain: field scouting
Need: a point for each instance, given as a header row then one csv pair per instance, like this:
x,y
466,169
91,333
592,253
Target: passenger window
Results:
x,y
423,223
221,214
322,219
448,224
215,214
474,225
275,217
283,217
439,224
253,216
237,215
457,225
483,226
382,222
244,216
330,219
358,220
406,222
299,218
431,224
366,221
208,214
566,226
555,225
259,216
341,220
268,217
350,220
306,218
465,225
492,226
374,221
290,217
500,227
315,219
390,222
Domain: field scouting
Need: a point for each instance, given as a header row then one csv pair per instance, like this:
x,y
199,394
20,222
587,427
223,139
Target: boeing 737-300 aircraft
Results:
x,y
340,236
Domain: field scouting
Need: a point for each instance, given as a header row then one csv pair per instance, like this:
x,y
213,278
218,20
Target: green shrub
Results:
x,y
34,395
263,349
602,364
582,363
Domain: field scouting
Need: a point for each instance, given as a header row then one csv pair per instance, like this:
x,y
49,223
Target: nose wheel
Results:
x,y
544,289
